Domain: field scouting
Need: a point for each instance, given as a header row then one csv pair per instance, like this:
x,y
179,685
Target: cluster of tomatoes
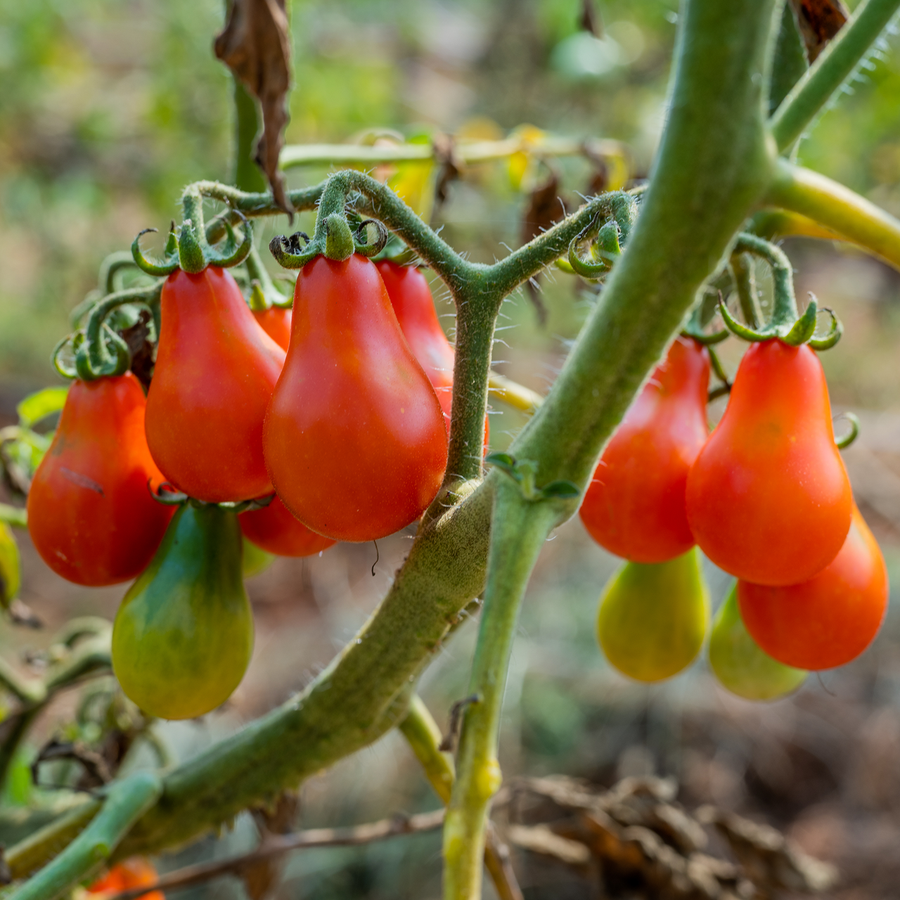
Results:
x,y
765,496
299,429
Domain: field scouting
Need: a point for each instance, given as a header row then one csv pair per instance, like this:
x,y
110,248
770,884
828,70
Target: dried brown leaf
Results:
x,y
819,21
256,46
263,876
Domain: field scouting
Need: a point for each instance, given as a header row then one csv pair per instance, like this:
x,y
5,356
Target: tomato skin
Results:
x,y
183,635
634,506
354,436
768,497
275,530
276,323
91,514
215,371
133,873
828,620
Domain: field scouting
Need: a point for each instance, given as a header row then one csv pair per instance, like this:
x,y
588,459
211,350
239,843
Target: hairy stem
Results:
x,y
838,209
834,66
518,531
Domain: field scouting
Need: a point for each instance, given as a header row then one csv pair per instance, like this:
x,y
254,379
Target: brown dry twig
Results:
x,y
275,845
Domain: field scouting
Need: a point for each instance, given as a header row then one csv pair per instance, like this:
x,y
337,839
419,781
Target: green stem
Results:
x,y
518,531
125,803
469,153
784,310
13,515
834,66
745,286
424,738
837,208
30,691
247,174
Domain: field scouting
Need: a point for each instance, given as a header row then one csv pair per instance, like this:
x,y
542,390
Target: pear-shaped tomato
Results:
x,y
653,617
414,307
768,498
275,530
10,566
183,635
740,665
133,873
634,506
828,620
354,437
214,375
276,323
91,514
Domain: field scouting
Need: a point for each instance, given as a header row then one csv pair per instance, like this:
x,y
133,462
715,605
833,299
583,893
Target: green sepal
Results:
x,y
805,327
843,442
835,332
160,270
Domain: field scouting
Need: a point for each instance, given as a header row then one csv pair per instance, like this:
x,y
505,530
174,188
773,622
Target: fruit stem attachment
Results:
x,y
126,801
518,532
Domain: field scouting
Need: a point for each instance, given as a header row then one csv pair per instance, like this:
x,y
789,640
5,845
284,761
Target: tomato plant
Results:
x,y
634,506
768,497
354,435
215,372
91,511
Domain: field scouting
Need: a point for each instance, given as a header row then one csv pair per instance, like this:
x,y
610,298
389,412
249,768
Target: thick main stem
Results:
x,y
518,531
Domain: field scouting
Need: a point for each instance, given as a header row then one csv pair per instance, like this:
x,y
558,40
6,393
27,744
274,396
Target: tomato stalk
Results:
x,y
518,531
831,205
838,61
125,802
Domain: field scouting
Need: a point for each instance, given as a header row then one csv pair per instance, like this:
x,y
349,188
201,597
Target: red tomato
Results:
x,y
634,505
132,873
354,435
215,372
828,620
91,514
275,530
414,307
276,323
768,498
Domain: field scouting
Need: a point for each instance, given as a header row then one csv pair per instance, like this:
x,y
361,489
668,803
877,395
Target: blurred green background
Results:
x,y
108,109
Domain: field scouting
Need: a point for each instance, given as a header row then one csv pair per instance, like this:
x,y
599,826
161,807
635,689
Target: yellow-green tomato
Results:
x,y
653,617
740,665
256,559
183,635
10,571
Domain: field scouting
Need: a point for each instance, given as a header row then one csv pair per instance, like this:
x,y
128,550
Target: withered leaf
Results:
x,y
819,21
256,46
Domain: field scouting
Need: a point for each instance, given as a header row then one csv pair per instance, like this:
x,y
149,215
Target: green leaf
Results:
x,y
562,490
44,403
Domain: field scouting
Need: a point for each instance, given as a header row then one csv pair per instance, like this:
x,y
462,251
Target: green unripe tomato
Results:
x,y
10,570
183,635
653,617
256,559
740,665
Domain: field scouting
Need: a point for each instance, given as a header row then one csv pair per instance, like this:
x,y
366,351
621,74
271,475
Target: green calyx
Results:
x,y
786,323
187,247
335,236
605,239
